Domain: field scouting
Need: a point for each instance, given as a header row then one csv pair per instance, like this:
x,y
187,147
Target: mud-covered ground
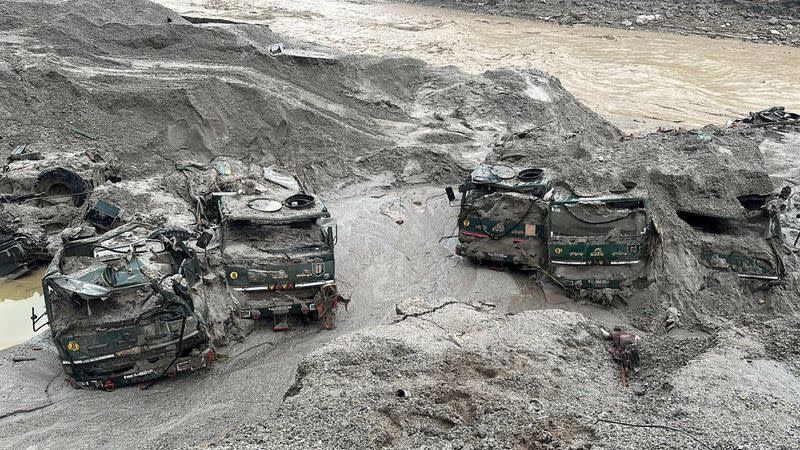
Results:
x,y
484,358
770,21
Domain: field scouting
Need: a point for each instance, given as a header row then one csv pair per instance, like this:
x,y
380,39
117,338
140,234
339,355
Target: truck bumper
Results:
x,y
300,308
141,371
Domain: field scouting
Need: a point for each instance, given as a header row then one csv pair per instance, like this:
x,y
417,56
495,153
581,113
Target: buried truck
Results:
x,y
598,242
48,197
119,309
511,216
748,243
20,252
277,252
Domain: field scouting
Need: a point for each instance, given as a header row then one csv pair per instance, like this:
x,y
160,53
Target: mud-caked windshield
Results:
x,y
597,219
244,237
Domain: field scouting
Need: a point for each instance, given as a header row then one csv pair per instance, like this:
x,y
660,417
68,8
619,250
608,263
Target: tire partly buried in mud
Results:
x,y
181,234
63,184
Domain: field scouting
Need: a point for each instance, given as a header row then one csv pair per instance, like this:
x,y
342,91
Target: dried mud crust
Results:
x,y
750,20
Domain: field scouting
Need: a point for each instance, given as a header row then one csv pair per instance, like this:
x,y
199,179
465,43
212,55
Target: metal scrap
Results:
x,y
85,133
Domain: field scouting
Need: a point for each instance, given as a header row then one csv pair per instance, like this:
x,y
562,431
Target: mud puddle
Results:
x,y
638,80
17,297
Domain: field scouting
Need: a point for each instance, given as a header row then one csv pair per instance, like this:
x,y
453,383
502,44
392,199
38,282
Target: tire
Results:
x,y
179,233
63,183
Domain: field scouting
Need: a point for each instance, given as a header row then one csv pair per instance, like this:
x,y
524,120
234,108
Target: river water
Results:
x,y
638,80
16,299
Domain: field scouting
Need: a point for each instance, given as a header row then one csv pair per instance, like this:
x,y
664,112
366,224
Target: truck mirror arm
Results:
x,y
35,318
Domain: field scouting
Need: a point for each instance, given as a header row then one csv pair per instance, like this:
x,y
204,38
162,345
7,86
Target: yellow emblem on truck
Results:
x,y
234,275
558,250
73,346
466,222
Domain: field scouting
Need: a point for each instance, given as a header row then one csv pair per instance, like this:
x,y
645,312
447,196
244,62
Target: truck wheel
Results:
x,y
63,184
179,233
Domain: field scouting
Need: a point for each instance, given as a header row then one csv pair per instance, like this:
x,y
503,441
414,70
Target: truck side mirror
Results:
x,y
450,194
330,230
35,318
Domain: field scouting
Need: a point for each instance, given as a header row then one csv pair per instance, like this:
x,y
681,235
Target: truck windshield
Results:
x,y
596,219
243,235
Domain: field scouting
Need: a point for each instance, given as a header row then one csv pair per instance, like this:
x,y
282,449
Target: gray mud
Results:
x,y
489,359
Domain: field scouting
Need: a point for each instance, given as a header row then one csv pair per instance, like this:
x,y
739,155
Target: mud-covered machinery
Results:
x,y
599,242
514,216
119,309
37,198
503,215
277,253
20,252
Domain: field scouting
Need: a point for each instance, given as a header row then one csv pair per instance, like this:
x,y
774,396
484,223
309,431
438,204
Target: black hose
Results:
x,y
597,223
505,232
178,351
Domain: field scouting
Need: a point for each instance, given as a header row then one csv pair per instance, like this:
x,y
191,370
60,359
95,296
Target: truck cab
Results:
x,y
598,242
277,251
119,309
502,216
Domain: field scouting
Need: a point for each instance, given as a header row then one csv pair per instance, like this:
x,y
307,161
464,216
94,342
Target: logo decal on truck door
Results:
x,y
317,266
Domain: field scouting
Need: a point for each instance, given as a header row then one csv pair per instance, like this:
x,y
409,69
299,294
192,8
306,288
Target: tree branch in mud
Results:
x,y
436,308
26,410
448,338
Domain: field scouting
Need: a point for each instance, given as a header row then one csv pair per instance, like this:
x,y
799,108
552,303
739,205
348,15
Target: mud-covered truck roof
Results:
x,y
120,312
276,208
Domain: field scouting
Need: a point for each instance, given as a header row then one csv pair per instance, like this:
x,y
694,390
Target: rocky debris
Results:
x,y
752,20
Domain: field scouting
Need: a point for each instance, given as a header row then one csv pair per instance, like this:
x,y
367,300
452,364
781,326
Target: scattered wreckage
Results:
x,y
515,216
777,116
119,309
20,252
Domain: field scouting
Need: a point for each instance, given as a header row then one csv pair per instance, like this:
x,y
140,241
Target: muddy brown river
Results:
x,y
638,80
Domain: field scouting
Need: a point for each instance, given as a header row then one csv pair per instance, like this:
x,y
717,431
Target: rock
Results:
x,y
644,19
773,21
775,32
626,23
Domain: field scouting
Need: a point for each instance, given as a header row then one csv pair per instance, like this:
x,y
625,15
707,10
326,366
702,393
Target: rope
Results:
x,y
505,232
597,223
